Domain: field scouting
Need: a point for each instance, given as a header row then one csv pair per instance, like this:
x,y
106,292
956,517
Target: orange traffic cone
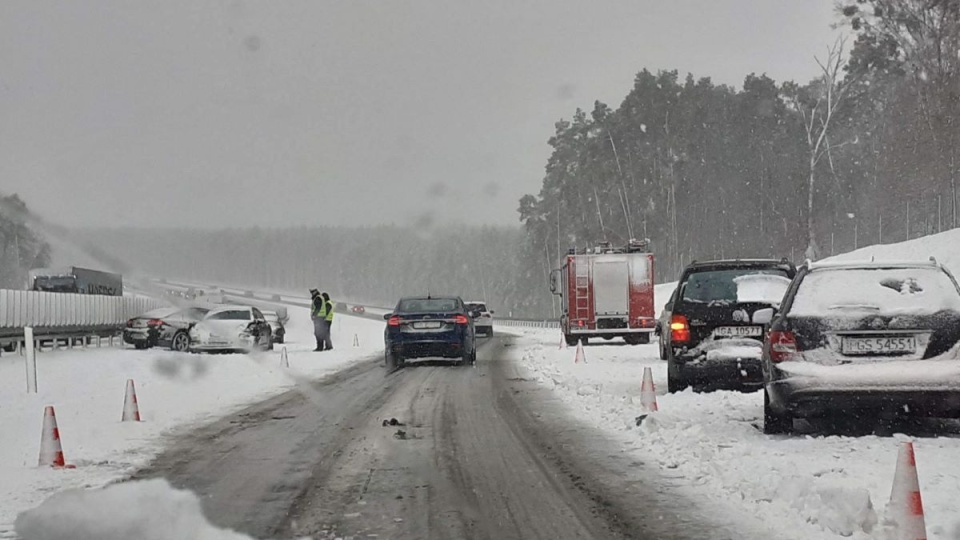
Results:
x,y
284,361
131,409
580,357
648,392
906,506
51,453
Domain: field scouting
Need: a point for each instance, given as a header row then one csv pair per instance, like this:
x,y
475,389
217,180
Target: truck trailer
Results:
x,y
76,280
606,292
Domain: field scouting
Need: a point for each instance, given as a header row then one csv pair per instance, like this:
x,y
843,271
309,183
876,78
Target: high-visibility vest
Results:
x,y
329,307
321,311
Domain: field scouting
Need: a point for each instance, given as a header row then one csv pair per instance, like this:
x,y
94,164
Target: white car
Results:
x,y
230,329
483,323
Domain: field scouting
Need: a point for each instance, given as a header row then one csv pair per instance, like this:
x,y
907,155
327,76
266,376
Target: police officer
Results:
x,y
318,315
328,322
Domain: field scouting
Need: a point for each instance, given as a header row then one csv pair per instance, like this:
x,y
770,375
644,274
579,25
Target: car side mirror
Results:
x,y
763,316
386,316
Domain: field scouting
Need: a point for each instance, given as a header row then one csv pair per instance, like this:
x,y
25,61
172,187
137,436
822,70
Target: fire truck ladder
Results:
x,y
582,297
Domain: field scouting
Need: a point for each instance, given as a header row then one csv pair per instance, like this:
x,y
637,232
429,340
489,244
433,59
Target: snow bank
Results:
x,y
945,247
811,487
176,392
145,510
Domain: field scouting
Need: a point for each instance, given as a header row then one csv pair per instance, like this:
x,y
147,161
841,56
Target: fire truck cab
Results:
x,y
606,292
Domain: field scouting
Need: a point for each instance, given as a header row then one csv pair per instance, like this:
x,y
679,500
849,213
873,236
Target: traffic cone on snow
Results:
x,y
906,506
648,392
284,361
131,409
51,453
563,342
580,357
356,340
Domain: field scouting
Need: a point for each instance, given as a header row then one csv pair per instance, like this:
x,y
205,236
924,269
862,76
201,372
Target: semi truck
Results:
x,y
76,280
606,292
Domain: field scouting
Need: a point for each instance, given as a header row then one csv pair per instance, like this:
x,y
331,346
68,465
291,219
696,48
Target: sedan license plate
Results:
x,y
738,331
426,325
879,345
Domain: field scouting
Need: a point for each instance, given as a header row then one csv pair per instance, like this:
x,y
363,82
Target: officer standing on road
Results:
x,y
318,315
328,323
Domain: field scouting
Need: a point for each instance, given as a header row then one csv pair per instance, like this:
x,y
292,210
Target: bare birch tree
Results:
x,y
817,106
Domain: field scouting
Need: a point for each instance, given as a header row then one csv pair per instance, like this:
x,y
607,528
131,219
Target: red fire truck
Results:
x,y
606,292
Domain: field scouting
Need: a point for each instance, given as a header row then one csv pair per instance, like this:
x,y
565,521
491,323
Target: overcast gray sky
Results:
x,y
339,112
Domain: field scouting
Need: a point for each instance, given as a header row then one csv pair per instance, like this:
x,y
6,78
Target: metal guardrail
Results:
x,y
526,323
67,315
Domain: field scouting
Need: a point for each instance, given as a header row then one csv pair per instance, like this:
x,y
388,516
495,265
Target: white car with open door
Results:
x,y
231,329
484,321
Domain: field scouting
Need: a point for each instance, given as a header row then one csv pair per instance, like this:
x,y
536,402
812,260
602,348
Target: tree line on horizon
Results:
x,y
865,153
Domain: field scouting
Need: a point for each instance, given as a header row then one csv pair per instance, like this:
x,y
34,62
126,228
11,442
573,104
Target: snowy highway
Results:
x,y
478,453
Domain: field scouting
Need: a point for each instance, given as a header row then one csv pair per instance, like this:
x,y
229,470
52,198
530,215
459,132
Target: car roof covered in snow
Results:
x,y
739,262
229,308
931,263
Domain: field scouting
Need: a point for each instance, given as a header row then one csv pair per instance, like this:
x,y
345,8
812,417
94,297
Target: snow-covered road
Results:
x,y
177,392
812,486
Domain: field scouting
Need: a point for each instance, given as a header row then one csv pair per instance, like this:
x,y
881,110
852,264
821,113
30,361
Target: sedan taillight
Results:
x,y
783,345
393,321
154,322
461,319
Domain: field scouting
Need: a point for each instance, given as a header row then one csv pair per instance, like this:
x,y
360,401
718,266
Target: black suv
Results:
x,y
708,333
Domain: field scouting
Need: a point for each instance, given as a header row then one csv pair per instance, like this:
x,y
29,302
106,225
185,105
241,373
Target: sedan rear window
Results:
x,y
834,292
233,315
721,285
426,305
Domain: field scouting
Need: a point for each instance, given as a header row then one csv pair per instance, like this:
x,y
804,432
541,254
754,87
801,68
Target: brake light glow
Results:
x,y
393,321
130,323
783,345
679,329
461,319
580,324
154,322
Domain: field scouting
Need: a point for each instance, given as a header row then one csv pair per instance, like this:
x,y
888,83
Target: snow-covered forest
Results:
x,y
866,153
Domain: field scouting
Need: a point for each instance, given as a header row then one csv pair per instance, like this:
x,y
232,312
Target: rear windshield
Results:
x,y
424,305
833,292
477,307
721,285
232,315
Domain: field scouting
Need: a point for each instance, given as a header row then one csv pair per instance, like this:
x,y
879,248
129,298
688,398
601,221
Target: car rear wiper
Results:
x,y
855,306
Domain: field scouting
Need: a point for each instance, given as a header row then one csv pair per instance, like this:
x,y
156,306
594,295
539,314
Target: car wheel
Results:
x,y
140,346
663,349
675,380
584,340
280,340
775,423
180,342
571,340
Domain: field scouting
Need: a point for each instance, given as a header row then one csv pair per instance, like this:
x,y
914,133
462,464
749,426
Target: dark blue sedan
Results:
x,y
429,327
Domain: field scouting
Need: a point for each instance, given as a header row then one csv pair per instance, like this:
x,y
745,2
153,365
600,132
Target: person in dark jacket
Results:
x,y
318,315
327,343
